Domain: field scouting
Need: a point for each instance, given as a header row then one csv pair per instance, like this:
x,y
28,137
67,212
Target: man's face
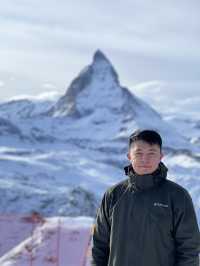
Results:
x,y
144,157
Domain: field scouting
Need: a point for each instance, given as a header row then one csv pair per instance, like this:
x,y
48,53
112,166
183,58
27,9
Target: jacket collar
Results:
x,y
148,180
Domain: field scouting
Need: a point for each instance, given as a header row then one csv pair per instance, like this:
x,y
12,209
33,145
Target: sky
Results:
x,y
153,45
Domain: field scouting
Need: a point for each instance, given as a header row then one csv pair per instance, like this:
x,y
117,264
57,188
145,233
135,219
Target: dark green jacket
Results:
x,y
146,221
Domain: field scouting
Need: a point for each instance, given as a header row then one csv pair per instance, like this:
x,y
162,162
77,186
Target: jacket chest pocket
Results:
x,y
160,215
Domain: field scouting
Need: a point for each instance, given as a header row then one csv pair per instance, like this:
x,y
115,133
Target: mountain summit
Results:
x,y
99,55
102,67
96,91
93,83
96,100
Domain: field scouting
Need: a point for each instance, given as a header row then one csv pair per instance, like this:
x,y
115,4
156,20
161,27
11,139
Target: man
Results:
x,y
146,220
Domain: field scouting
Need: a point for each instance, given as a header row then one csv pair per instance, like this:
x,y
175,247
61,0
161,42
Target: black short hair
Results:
x,y
147,135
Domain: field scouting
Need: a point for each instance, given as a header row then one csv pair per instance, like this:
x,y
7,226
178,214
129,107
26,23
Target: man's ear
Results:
x,y
161,156
128,156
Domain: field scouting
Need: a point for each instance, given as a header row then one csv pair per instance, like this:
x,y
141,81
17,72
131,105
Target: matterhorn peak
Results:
x,y
96,81
99,56
102,68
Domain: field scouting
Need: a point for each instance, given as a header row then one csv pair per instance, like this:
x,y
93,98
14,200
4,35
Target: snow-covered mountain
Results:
x,y
8,128
95,100
58,156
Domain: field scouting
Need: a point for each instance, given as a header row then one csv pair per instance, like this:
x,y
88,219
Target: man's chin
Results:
x,y
145,171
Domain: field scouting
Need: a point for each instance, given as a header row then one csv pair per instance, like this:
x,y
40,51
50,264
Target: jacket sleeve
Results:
x,y
101,234
186,232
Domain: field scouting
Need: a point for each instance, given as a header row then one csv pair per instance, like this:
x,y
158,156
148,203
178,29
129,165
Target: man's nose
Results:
x,y
145,158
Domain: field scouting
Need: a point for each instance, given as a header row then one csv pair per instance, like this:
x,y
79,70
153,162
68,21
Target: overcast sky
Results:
x,y
45,44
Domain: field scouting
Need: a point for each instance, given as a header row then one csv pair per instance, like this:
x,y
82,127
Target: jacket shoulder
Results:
x,y
117,188
178,193
175,187
114,193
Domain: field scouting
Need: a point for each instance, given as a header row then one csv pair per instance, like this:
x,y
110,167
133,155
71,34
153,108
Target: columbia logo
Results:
x,y
160,204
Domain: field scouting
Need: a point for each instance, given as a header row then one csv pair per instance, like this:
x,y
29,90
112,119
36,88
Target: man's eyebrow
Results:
x,y
139,149
152,149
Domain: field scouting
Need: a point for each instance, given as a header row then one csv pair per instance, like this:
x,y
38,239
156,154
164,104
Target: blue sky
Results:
x,y
45,44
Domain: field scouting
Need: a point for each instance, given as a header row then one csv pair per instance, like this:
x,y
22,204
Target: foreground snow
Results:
x,y
36,241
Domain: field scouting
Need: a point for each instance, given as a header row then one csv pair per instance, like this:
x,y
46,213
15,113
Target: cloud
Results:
x,y
154,85
170,97
48,95
49,86
2,84
133,26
